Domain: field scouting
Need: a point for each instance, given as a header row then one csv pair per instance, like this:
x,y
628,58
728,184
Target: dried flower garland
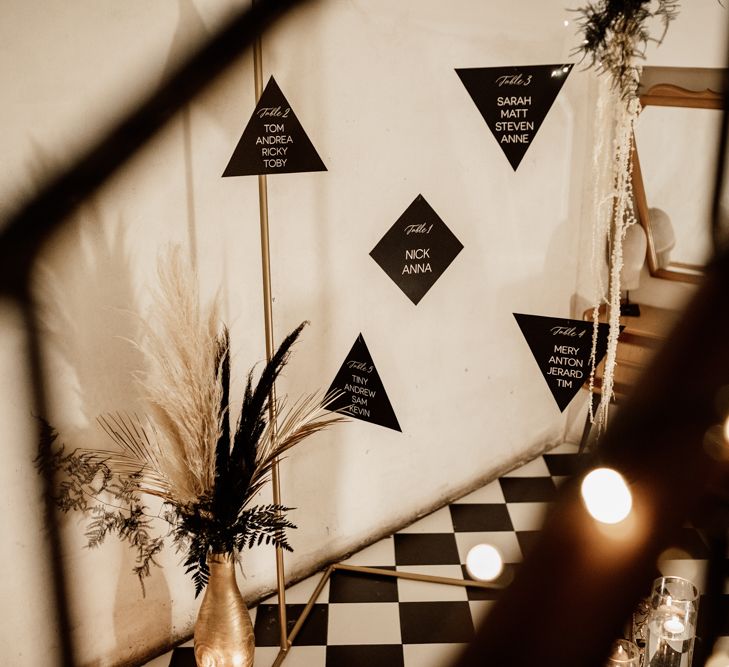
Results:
x,y
615,34
614,216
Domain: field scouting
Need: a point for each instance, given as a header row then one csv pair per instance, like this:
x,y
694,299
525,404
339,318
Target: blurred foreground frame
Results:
x,y
580,582
26,231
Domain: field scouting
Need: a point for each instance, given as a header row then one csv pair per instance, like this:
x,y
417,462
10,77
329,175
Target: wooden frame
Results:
x,y
668,95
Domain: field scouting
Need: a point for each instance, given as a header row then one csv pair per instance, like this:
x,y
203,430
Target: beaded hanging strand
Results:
x,y
614,34
622,218
602,200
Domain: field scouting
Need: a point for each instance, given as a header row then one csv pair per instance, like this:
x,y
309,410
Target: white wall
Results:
x,y
374,86
375,89
696,39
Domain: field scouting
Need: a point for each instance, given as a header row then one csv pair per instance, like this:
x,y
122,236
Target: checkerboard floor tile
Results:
x,y
363,620
356,587
426,549
409,590
480,517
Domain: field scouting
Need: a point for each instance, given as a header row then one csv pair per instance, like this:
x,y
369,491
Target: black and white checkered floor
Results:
x,y
368,620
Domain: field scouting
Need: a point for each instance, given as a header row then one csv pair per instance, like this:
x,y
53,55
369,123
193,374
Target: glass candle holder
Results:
x,y
624,654
671,625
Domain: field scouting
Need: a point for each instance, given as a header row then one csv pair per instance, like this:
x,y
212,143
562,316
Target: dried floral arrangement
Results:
x,y
615,33
184,453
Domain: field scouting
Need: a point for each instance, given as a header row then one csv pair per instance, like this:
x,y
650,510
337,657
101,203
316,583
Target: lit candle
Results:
x,y
673,625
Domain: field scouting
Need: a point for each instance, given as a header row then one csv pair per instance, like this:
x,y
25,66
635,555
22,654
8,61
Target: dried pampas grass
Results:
x,y
185,450
181,345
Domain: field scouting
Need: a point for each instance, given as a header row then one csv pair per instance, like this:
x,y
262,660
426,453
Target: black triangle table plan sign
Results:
x,y
514,101
364,397
561,348
273,142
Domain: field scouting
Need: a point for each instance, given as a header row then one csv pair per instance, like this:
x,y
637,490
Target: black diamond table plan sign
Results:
x,y
363,394
514,101
417,249
562,348
273,142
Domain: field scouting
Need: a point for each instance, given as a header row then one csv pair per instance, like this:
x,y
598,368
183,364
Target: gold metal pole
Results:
x,y
304,614
268,320
285,640
412,576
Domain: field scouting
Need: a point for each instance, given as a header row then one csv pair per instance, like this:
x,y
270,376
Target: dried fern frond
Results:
x,y
183,383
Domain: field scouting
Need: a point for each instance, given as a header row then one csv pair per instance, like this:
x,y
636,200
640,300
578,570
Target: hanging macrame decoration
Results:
x,y
615,35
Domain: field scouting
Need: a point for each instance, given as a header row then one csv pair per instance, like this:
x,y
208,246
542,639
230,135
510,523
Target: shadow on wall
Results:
x,y
88,310
525,296
552,291
190,30
90,316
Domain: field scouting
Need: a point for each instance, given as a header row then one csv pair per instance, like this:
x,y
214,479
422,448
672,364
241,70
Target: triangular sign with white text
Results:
x,y
363,394
562,348
514,101
274,142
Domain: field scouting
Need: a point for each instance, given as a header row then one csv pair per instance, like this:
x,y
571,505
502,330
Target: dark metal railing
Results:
x,y
568,600
25,233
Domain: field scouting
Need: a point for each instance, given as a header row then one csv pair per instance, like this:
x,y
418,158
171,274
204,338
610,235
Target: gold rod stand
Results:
x,y
268,320
428,578
375,571
287,640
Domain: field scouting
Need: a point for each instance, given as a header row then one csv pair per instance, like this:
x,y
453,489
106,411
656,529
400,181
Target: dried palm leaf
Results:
x,y
306,417
136,453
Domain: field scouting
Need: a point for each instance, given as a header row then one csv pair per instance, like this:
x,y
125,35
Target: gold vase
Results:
x,y
223,630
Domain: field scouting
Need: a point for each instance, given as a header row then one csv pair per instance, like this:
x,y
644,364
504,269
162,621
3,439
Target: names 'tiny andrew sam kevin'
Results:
x,y
565,366
358,389
274,143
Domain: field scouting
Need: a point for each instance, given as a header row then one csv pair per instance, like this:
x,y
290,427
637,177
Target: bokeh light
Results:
x,y
606,495
484,562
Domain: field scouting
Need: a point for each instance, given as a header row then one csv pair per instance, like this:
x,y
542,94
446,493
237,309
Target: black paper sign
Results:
x,y
561,348
417,249
364,395
514,101
274,142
